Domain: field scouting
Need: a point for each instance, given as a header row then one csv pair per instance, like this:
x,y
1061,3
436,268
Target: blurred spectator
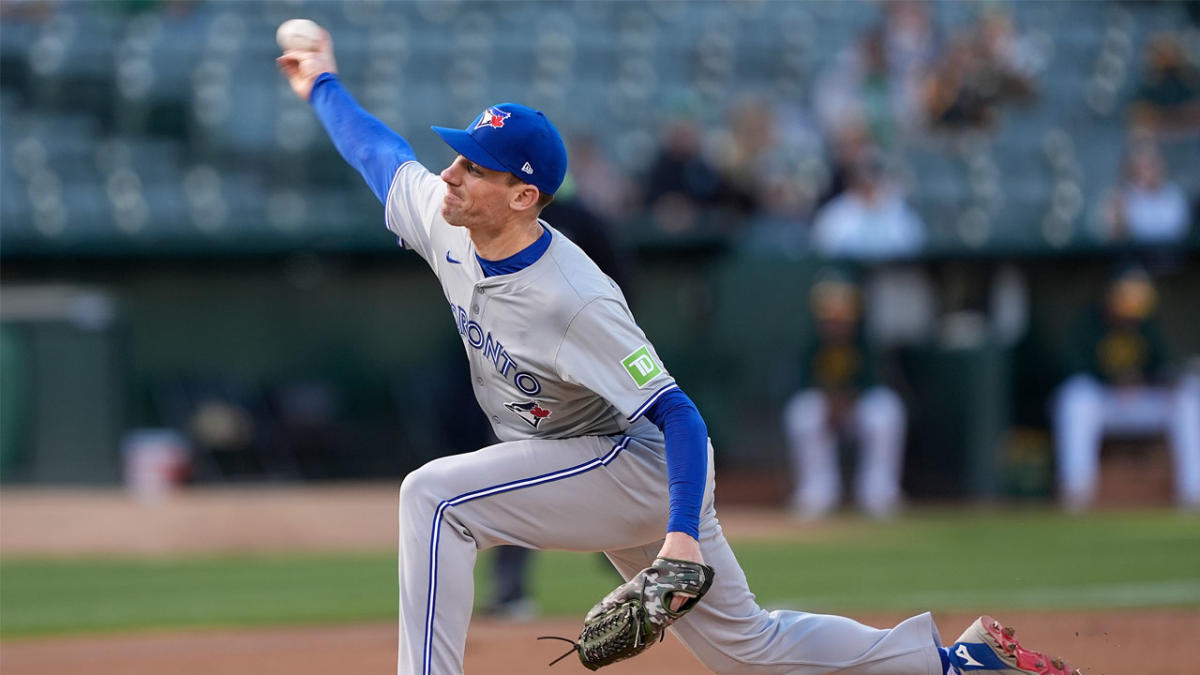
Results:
x,y
741,152
599,185
984,67
911,50
1146,207
1119,385
841,397
860,92
952,95
870,220
1168,99
908,40
682,182
851,144
773,155
1010,62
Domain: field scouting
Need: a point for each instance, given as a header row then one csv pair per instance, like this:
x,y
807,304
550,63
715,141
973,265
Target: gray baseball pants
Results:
x,y
607,494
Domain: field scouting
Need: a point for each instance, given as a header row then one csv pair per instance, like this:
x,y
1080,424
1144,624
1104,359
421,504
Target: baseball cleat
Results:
x,y
987,646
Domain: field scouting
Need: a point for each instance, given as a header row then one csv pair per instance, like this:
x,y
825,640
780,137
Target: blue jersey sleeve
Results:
x,y
364,142
687,458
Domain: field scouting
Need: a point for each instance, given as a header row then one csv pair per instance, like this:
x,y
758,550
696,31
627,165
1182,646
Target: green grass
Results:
x,y
1027,560
930,560
48,596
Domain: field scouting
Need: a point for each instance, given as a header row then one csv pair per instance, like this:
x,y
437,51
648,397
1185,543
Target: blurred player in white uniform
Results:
x,y
842,397
1119,385
600,449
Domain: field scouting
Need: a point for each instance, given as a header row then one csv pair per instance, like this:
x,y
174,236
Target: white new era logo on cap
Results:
x,y
527,168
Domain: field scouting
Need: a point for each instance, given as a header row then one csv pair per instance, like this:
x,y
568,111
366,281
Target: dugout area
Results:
x,y
363,340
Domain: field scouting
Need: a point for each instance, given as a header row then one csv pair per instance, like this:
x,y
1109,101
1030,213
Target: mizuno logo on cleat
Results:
x,y
965,658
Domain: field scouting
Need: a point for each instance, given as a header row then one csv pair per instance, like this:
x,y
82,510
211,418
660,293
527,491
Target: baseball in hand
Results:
x,y
299,35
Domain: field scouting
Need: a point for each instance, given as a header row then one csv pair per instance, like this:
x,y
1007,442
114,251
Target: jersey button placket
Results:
x,y
480,292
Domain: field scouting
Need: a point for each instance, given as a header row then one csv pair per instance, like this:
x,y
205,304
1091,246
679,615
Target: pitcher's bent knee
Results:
x,y
423,489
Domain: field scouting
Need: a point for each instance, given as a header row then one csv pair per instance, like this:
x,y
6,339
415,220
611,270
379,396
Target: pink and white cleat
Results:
x,y
986,646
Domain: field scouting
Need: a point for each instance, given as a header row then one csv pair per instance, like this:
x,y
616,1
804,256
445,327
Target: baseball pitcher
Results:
x,y
600,448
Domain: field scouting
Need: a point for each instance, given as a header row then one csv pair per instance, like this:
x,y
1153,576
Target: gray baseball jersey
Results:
x,y
565,375
553,348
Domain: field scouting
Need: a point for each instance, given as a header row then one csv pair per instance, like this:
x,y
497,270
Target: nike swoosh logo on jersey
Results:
x,y
449,259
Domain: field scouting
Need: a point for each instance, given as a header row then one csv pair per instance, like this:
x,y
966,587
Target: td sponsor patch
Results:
x,y
641,366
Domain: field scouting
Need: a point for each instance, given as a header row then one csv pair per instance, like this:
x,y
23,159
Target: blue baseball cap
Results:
x,y
513,138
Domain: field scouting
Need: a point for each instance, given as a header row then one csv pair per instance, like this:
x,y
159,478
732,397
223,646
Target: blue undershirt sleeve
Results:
x,y
364,142
687,458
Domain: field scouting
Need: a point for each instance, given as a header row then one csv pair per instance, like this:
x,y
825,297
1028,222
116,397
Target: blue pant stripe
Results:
x,y
431,603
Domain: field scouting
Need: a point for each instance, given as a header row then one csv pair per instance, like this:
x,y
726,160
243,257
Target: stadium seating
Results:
x,y
180,87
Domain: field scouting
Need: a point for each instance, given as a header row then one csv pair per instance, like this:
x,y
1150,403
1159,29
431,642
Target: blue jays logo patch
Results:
x,y
492,118
530,411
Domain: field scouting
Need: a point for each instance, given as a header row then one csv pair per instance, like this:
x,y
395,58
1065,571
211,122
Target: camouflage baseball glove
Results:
x,y
634,615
